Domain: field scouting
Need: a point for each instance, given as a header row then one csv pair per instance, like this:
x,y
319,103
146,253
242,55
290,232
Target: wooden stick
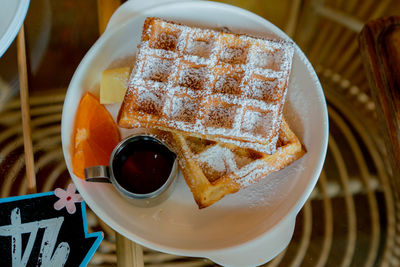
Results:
x,y
105,9
25,111
293,18
128,252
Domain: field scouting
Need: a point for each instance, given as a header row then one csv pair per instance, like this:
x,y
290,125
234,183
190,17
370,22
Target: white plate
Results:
x,y
246,228
12,15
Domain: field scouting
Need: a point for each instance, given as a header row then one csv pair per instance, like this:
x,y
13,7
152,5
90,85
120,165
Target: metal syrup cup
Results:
x,y
106,174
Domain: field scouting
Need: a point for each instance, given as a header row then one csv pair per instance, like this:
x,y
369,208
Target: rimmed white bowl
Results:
x,y
244,229
12,15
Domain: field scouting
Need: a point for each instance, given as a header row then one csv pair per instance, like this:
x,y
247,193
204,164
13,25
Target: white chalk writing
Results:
x,y
46,256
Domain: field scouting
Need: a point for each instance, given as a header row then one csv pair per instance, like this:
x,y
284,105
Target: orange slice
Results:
x,y
94,137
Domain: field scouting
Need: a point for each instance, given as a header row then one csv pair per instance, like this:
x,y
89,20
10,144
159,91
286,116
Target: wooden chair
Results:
x,y
380,51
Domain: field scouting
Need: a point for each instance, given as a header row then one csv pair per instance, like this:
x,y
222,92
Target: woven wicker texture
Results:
x,y
352,217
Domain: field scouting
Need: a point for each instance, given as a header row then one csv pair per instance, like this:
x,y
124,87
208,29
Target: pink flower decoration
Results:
x,y
68,198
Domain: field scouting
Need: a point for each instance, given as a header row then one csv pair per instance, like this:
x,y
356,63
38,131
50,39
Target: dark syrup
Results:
x,y
143,165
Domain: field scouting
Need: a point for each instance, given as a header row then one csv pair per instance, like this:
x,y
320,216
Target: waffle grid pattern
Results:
x,y
217,84
213,170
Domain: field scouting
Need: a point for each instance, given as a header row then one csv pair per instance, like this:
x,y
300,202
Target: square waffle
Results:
x,y
214,169
216,85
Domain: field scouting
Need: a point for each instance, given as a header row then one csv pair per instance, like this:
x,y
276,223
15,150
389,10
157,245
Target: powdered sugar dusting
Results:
x,y
270,188
243,166
219,158
189,61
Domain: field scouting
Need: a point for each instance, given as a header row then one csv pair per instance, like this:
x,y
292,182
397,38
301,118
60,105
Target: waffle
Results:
x,y
213,169
215,85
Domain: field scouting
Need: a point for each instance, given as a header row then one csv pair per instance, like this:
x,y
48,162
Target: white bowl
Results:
x,y
243,229
12,15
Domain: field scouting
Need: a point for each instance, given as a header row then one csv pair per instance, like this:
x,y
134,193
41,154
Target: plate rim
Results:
x,y
16,23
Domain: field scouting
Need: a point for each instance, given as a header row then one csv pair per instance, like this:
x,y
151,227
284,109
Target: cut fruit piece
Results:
x,y
113,85
94,137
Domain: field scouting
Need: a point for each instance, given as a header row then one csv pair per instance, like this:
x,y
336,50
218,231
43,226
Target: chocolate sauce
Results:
x,y
143,165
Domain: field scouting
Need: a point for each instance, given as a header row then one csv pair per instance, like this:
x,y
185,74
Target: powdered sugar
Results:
x,y
219,158
243,166
191,60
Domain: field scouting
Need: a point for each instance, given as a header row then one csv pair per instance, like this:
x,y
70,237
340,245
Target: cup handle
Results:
x,y
97,174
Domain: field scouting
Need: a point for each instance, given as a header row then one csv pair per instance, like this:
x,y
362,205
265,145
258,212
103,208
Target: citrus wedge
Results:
x,y
94,137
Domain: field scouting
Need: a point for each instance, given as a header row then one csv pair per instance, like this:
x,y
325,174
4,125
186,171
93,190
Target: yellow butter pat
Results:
x,y
113,85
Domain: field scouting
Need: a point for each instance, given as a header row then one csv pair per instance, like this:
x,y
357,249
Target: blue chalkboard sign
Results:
x,y
46,229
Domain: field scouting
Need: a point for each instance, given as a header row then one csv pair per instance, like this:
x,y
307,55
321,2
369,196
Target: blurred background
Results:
x,y
353,215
